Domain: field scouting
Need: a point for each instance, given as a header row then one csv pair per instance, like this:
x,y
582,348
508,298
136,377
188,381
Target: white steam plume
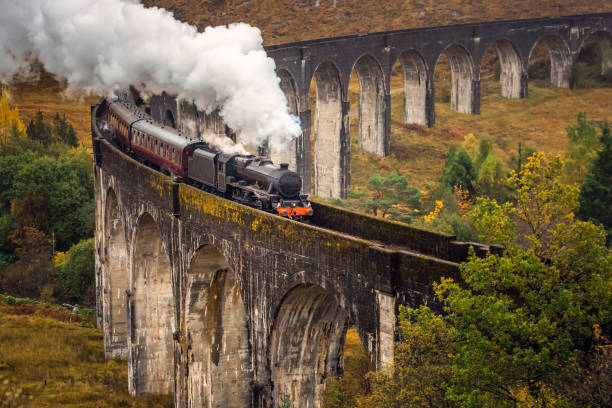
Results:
x,y
103,46
224,143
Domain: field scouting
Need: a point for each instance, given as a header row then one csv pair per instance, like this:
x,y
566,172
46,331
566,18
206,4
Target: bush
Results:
x,y
77,273
10,300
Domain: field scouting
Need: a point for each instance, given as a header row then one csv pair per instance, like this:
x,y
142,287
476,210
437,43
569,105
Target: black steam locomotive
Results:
x,y
247,179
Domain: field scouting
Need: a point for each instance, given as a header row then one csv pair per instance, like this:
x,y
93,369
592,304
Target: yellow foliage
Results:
x,y
9,118
59,259
463,200
471,144
436,211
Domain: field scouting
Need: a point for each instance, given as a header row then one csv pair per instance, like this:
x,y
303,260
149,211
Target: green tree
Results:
x,y
529,327
7,246
491,180
77,273
459,170
39,131
63,131
389,192
525,317
66,185
596,193
422,367
583,144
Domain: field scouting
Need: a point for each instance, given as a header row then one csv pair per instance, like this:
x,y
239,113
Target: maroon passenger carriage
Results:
x,y
162,147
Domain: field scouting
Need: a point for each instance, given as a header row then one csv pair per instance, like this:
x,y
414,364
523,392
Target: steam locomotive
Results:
x,y
247,179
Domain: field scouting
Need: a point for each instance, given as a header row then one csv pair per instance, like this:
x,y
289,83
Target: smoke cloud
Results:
x,y
225,144
104,46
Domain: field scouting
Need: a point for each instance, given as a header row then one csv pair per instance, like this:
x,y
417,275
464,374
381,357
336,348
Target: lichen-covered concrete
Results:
x,y
232,307
116,282
371,105
561,60
306,345
512,75
152,311
415,88
328,133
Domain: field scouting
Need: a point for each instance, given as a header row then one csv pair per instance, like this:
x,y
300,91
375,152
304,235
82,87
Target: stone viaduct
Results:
x,y
222,305
225,306
330,62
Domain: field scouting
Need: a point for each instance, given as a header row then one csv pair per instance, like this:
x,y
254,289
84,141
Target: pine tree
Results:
x,y
459,170
63,131
39,131
596,193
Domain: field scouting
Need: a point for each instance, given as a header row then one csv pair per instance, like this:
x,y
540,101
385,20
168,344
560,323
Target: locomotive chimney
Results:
x,y
284,166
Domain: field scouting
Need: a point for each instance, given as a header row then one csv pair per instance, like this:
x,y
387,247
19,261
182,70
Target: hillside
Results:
x,y
294,20
51,357
538,122
48,94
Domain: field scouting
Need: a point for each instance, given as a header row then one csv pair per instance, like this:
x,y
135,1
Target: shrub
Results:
x,y
77,273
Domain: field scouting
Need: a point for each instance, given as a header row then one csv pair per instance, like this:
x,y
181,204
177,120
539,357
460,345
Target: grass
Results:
x,y
51,357
538,121
48,94
284,21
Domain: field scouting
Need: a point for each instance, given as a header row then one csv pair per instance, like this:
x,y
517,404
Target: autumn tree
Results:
x,y
524,317
422,365
528,327
10,124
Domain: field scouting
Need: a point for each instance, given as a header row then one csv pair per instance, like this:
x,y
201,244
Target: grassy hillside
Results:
x,y
48,94
293,20
50,357
538,121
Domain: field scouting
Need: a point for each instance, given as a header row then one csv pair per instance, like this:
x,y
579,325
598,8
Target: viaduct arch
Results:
x,y
222,305
330,61
211,301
